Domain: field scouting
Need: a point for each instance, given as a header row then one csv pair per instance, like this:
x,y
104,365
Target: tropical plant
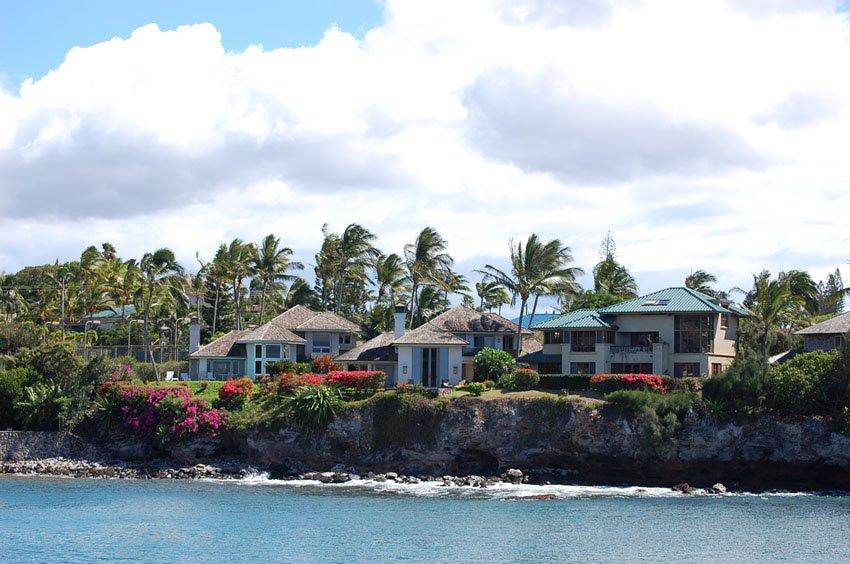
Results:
x,y
772,305
159,271
240,260
491,294
491,364
700,281
537,268
271,264
426,261
314,406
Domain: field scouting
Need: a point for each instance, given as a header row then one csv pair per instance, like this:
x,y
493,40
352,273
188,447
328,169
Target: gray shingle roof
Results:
x,y
327,321
224,346
839,324
378,349
430,334
462,319
271,331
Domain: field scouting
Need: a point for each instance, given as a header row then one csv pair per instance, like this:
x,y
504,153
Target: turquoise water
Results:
x,y
80,520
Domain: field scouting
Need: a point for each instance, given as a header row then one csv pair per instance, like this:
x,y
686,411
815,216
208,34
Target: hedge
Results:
x,y
572,382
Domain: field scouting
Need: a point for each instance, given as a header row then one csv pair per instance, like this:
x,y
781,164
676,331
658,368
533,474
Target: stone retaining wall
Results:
x,y
37,445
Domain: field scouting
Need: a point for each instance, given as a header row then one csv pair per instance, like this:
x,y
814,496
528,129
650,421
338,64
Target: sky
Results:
x,y
705,135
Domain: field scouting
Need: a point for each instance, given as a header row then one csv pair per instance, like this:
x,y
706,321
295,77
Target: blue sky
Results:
x,y
704,135
35,35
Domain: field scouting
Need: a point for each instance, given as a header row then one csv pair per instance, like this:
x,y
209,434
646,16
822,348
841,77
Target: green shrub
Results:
x,y
571,382
55,361
402,420
491,364
526,379
661,415
12,384
314,406
474,388
741,388
507,382
280,367
801,385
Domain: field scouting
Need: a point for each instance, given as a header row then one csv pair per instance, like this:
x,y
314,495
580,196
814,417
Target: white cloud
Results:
x,y
699,133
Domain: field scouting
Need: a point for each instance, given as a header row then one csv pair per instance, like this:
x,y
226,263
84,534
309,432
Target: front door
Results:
x,y
429,367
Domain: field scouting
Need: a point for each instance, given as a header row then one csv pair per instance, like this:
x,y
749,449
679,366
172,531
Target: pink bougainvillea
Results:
x,y
607,383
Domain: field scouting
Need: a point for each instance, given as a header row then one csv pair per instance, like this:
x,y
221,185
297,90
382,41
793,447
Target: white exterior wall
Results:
x,y
661,323
455,365
405,364
724,339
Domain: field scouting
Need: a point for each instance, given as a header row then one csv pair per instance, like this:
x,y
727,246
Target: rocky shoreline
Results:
x,y
235,470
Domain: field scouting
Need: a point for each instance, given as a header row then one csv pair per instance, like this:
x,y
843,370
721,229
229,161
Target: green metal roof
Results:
x,y
669,300
578,319
115,312
539,357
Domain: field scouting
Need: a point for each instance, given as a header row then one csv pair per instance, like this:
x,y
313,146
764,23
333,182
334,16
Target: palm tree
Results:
x,y
772,304
491,293
613,278
389,277
803,288
216,273
700,281
271,264
240,259
426,259
158,269
12,302
538,268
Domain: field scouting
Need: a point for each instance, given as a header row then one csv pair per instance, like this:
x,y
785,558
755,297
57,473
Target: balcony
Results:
x,y
617,349
637,354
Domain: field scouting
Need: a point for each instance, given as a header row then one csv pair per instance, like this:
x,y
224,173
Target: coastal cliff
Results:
x,y
549,439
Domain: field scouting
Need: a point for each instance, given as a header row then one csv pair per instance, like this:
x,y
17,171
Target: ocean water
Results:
x,y
257,519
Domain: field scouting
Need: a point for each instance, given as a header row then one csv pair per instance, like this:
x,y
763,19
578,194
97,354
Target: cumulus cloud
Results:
x,y
580,138
697,132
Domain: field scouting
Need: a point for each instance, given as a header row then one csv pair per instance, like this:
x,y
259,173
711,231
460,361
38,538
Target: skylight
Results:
x,y
661,302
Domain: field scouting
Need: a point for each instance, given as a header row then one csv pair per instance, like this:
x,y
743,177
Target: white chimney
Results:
x,y
398,318
194,335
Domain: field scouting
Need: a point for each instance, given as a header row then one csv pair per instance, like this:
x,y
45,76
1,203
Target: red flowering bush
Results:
x,y
234,393
325,364
359,379
288,383
165,412
607,383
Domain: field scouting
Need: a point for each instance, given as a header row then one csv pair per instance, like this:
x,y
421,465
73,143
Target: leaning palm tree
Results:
x,y
425,259
158,269
491,294
537,268
700,281
389,277
271,264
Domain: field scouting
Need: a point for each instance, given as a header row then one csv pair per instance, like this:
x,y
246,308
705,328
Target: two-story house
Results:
x,y
675,331
438,351
298,334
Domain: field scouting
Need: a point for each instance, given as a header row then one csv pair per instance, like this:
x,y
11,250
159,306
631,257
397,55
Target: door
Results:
x,y
429,367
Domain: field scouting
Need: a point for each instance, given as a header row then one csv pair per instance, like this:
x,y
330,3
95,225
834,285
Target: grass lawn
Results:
x,y
208,395
586,398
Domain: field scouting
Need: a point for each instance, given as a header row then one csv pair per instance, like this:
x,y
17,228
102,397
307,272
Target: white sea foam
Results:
x,y
500,491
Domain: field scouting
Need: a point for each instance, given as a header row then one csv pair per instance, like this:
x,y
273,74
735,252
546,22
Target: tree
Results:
x,y
537,268
239,261
772,304
341,267
830,294
491,293
610,276
271,264
426,260
700,281
158,269
389,278
491,364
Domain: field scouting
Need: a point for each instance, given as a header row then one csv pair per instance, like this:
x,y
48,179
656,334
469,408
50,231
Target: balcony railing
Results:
x,y
618,349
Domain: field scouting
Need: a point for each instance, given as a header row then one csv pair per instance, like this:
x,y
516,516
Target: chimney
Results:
x,y
398,318
194,335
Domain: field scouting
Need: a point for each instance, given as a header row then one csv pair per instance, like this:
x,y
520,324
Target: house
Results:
x,y
826,335
675,331
298,334
438,351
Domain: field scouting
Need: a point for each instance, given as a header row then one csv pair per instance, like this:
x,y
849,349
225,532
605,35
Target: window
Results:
x,y
631,368
693,334
643,339
481,341
508,343
273,351
345,339
716,368
549,367
258,367
724,320
322,343
684,369
605,337
553,338
582,368
258,351
839,341
583,341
